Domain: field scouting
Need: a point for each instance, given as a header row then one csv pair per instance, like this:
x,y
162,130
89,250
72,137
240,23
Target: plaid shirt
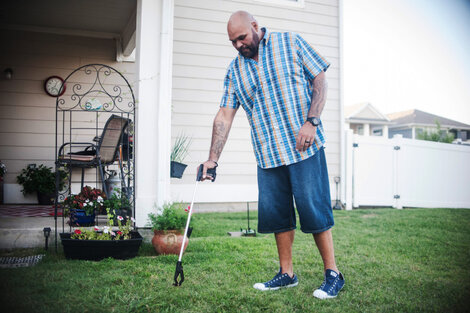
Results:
x,y
276,93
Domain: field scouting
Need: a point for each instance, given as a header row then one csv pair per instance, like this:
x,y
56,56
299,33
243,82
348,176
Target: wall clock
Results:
x,y
52,86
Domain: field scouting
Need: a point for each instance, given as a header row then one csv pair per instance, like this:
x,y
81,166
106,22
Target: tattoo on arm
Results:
x,y
320,87
219,137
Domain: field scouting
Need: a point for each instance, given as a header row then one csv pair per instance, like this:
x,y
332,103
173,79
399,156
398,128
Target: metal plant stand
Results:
x,y
95,122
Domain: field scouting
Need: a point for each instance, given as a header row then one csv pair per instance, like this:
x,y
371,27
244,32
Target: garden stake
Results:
x,y
179,266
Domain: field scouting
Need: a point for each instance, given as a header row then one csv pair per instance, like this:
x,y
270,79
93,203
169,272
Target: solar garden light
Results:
x,y
47,233
337,205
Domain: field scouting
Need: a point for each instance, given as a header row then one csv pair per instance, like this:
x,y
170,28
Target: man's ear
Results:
x,y
255,25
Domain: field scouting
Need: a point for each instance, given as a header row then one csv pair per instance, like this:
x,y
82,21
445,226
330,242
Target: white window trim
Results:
x,y
285,3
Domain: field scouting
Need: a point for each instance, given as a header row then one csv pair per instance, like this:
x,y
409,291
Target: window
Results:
x,y
291,3
378,132
360,130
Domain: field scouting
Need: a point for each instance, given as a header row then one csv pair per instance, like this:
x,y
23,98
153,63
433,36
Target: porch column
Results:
x,y
154,45
385,131
366,129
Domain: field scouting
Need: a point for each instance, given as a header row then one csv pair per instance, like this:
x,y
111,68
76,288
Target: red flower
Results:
x,y
78,231
119,232
188,209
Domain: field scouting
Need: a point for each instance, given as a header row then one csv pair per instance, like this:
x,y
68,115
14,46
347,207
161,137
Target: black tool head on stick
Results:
x,y
179,273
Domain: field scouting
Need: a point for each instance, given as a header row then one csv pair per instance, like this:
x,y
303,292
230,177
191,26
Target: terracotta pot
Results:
x,y
168,241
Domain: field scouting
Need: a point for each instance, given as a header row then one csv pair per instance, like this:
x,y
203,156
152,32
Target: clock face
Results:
x,y
53,86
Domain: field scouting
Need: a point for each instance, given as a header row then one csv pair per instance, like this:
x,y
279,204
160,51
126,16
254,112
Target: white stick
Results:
x,y
187,222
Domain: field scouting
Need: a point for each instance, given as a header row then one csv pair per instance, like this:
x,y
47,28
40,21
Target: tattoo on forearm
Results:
x,y
320,87
219,137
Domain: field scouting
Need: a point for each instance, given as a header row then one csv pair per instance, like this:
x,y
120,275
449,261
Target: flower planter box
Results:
x,y
96,250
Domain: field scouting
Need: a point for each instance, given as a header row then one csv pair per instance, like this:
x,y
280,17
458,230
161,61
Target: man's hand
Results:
x,y
305,137
207,165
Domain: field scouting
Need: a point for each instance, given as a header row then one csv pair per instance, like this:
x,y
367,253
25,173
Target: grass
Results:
x,y
414,260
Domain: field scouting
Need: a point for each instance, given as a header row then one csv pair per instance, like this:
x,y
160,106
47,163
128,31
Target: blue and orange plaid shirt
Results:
x,y
276,93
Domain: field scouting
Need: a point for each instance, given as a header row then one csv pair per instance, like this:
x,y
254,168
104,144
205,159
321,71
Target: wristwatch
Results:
x,y
315,121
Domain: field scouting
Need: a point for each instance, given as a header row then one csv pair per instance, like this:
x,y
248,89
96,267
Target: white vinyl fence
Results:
x,y
401,172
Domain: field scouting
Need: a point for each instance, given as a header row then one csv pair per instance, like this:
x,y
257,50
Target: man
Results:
x,y
280,82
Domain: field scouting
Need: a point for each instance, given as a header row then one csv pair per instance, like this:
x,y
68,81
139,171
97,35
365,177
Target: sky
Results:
x,y
408,54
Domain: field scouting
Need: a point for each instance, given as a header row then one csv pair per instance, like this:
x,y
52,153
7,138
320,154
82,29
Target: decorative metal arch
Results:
x,y
112,92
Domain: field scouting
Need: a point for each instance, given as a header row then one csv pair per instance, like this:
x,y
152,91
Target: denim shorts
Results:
x,y
307,182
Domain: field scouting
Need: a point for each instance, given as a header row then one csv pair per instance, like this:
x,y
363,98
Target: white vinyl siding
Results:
x,y
201,55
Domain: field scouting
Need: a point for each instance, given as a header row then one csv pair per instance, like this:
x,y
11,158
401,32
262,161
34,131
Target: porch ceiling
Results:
x,y
90,18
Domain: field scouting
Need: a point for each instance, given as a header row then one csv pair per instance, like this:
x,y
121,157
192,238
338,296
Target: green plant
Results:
x,y
437,135
117,201
89,199
39,179
107,232
171,216
180,148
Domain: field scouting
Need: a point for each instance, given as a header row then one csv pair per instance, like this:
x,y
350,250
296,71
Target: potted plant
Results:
x,y
3,171
83,207
178,153
118,203
40,179
168,227
121,242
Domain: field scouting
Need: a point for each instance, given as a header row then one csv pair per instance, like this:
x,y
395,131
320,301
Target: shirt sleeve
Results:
x,y
312,62
229,98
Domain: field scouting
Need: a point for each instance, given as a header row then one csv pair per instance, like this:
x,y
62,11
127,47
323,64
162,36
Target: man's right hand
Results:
x,y
209,164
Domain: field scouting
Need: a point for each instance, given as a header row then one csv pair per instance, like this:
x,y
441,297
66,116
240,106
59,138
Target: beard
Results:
x,y
249,51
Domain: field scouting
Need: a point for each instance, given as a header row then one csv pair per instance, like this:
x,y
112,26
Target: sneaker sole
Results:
x,y
262,288
320,294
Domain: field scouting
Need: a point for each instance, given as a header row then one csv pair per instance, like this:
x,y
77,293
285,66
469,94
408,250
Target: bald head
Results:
x,y
244,33
240,19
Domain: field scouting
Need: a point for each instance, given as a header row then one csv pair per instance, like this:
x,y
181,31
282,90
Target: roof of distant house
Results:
x,y
423,118
364,112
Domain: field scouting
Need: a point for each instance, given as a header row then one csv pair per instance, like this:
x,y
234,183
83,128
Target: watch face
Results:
x,y
53,86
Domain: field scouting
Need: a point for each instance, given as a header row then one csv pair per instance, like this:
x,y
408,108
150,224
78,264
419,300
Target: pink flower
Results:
x,y
188,209
113,233
120,217
97,228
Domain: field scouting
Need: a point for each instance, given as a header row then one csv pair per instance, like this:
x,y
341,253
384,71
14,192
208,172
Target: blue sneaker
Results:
x,y
331,285
279,281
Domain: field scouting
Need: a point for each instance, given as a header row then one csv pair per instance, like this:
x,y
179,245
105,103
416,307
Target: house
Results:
x,y
364,119
412,122
175,54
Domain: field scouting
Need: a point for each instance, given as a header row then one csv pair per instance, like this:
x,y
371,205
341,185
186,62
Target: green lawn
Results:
x,y
413,260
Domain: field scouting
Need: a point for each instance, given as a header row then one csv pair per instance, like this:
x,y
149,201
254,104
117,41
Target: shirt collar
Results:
x,y
266,35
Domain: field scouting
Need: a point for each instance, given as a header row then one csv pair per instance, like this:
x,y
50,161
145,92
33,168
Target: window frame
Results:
x,y
284,3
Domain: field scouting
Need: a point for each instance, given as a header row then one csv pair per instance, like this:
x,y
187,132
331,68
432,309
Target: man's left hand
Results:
x,y
305,137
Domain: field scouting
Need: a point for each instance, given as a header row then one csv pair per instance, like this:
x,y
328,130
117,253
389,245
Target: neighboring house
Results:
x,y
410,123
364,119
175,54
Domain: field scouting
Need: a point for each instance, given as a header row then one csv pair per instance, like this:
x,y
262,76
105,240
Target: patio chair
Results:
x,y
96,155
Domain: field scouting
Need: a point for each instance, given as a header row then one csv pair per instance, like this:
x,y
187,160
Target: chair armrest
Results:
x,y
87,144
